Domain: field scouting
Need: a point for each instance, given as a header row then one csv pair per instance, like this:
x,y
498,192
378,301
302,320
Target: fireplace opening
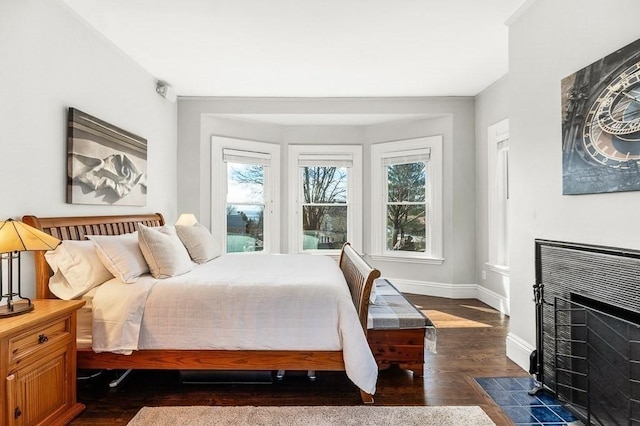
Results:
x,y
612,310
597,372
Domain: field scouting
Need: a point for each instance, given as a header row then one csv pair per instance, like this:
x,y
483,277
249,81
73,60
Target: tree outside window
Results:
x,y
406,207
245,207
324,207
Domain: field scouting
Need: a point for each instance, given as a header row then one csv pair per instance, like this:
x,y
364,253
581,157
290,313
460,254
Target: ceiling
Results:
x,y
305,48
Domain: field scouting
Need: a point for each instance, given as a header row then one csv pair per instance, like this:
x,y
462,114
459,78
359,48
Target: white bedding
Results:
x,y
262,302
85,320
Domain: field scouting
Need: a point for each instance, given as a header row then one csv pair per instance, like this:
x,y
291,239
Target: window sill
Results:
x,y
406,259
498,269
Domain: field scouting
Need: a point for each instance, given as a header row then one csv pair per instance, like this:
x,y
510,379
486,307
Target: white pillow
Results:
x,y
76,269
121,255
201,245
163,251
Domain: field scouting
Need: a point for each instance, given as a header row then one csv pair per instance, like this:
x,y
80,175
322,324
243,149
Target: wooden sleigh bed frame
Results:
x,y
358,274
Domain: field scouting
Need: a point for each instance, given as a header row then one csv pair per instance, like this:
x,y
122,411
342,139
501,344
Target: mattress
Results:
x,y
236,302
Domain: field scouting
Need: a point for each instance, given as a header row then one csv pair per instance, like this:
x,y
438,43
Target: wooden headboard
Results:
x,y
75,228
358,274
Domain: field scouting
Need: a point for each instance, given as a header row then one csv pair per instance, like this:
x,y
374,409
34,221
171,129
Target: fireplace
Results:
x,y
588,329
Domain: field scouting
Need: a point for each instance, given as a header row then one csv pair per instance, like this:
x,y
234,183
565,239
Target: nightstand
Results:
x,y
38,365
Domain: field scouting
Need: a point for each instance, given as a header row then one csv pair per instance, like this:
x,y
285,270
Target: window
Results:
x,y
244,194
498,180
325,197
246,173
407,212
405,197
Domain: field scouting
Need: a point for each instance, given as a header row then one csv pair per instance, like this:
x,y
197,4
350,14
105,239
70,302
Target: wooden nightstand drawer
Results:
x,y
39,338
38,365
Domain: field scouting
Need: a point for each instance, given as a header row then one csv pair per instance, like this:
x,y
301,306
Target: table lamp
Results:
x,y
16,237
187,219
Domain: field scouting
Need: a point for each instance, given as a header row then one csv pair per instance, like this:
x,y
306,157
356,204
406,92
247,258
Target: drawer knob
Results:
x,y
17,413
42,338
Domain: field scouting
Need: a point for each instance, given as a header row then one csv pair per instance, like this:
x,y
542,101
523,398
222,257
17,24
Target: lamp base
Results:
x,y
17,309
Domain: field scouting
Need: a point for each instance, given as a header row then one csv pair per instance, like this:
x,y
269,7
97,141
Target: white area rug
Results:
x,y
311,416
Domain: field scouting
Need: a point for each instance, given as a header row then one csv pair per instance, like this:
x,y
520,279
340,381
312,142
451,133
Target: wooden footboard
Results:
x,y
358,274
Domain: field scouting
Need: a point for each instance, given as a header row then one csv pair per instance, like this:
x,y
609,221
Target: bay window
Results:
x,y
325,197
406,179
245,185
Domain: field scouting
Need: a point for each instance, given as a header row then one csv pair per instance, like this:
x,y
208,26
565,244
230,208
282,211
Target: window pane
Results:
x,y
324,184
245,183
245,227
324,227
406,227
406,182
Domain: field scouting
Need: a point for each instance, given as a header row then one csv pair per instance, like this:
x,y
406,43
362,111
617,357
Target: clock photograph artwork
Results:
x,y
601,125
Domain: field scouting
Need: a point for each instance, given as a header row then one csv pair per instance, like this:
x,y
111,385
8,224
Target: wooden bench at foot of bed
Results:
x,y
404,348
397,330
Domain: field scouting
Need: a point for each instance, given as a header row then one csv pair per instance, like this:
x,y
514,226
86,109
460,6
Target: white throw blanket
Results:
x,y
236,302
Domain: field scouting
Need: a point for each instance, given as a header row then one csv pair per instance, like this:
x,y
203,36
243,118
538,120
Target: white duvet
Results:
x,y
234,302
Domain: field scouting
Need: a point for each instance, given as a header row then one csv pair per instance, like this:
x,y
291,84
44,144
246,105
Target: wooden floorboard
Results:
x,y
471,343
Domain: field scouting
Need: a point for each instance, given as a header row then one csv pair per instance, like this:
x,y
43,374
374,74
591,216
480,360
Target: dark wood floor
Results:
x,y
471,343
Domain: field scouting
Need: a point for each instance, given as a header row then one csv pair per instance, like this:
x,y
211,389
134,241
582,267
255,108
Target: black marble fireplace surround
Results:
x,y
588,327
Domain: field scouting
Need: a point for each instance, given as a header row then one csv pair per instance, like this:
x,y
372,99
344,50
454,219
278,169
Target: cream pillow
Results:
x,y
163,251
76,269
121,255
201,245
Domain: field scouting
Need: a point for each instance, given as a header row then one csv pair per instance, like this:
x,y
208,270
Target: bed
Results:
x,y
358,275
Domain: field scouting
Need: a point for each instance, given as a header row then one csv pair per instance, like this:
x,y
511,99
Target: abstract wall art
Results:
x,y
106,165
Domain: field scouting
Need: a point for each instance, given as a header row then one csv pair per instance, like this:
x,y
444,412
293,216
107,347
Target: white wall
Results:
x,y
51,60
451,117
492,106
547,42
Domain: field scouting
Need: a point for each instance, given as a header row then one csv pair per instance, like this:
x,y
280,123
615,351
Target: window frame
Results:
x,y
271,218
326,154
498,218
380,153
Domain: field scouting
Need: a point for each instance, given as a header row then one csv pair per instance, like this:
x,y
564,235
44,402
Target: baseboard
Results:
x,y
493,299
519,351
453,291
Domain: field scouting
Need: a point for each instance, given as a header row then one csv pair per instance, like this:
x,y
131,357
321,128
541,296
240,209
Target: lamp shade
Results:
x,y
187,219
18,236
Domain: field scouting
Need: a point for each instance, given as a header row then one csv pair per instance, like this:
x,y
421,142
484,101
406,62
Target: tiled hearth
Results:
x,y
511,395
